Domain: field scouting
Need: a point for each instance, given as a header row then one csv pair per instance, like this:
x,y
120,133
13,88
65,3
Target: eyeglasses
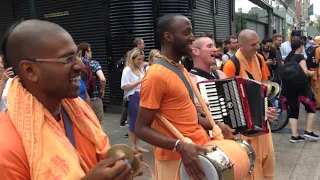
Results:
x,y
67,60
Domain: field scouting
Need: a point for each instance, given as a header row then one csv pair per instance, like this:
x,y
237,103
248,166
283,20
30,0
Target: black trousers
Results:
x,y
124,115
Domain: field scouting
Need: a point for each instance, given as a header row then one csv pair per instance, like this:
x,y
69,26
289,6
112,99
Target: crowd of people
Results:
x,y
52,92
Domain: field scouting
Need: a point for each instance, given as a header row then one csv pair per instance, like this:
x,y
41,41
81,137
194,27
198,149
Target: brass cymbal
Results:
x,y
117,149
136,165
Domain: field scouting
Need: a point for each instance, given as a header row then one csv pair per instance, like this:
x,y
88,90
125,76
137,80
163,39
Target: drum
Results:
x,y
228,160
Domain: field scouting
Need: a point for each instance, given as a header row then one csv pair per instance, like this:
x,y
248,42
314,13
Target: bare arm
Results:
x,y
87,99
204,122
131,86
303,65
102,81
144,131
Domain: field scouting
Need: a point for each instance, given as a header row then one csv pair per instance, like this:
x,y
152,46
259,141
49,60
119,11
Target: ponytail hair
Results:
x,y
295,44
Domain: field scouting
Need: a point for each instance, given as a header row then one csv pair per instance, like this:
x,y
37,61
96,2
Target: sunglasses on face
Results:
x,y
67,60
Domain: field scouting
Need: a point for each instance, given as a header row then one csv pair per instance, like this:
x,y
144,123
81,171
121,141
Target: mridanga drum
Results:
x,y
228,160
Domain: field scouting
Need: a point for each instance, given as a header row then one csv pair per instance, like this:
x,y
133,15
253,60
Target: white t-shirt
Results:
x,y
128,77
3,103
285,49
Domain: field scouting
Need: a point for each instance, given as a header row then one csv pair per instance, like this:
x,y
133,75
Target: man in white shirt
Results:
x,y
232,45
203,53
286,46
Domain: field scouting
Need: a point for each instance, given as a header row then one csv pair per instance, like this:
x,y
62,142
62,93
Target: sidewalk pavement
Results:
x,y
294,161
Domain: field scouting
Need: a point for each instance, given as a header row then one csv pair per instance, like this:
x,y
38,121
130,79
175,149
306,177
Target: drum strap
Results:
x,y
179,73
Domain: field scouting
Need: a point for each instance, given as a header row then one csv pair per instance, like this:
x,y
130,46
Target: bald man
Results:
x,y
47,131
203,54
252,66
313,62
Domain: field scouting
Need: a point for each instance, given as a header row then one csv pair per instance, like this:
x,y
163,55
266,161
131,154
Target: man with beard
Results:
x,y
203,54
163,92
47,131
250,66
277,41
232,46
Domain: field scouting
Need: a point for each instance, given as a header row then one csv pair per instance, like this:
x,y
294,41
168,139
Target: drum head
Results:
x,y
209,168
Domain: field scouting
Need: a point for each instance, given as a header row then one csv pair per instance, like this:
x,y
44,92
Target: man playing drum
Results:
x,y
163,92
250,66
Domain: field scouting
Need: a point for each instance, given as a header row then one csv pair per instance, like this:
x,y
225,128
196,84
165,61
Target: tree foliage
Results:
x,y
317,24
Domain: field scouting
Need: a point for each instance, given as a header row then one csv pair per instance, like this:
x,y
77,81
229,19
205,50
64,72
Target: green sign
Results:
x,y
310,10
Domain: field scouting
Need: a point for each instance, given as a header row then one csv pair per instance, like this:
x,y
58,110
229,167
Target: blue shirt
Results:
x,y
95,67
82,89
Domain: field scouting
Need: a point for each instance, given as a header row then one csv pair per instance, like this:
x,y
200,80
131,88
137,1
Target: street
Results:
x,y
294,161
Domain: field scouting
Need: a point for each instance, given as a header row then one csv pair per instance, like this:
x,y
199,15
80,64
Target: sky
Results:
x,y
316,7
245,5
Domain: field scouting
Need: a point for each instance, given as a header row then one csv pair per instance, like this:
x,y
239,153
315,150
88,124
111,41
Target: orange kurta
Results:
x,y
315,81
262,145
163,90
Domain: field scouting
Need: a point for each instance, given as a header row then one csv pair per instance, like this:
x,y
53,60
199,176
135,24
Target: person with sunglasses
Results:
x,y
47,131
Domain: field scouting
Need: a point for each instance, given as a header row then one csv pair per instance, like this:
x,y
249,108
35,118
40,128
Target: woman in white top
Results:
x,y
5,81
153,55
131,80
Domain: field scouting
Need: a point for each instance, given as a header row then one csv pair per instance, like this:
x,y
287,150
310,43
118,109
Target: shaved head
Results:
x,y
248,41
245,35
199,42
45,58
317,39
203,53
26,40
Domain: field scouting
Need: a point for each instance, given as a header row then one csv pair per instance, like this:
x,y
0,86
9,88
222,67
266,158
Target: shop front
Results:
x,y
279,16
253,15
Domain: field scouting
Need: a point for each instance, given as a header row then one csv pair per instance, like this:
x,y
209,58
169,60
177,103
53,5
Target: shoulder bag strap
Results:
x,y
68,127
179,73
236,63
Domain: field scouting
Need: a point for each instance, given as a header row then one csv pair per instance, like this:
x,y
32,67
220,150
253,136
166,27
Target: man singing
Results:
x,y
163,92
250,65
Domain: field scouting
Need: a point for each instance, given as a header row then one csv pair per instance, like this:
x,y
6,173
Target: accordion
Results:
x,y
239,102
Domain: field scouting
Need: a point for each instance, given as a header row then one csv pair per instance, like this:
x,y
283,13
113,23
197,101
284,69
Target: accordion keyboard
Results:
x,y
224,102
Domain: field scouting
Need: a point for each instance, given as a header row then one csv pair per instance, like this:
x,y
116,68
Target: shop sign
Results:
x,y
56,14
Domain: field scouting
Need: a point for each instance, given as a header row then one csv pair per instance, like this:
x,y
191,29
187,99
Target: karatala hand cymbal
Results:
x,y
118,149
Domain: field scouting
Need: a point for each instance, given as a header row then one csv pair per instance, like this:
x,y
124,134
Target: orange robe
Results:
x,y
315,81
262,145
33,145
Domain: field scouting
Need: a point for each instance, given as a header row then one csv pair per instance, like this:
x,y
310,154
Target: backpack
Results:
x,y
309,50
311,60
87,77
293,76
236,63
121,63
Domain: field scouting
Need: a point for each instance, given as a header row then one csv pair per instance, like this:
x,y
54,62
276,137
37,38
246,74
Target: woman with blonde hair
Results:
x,y
153,55
130,82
